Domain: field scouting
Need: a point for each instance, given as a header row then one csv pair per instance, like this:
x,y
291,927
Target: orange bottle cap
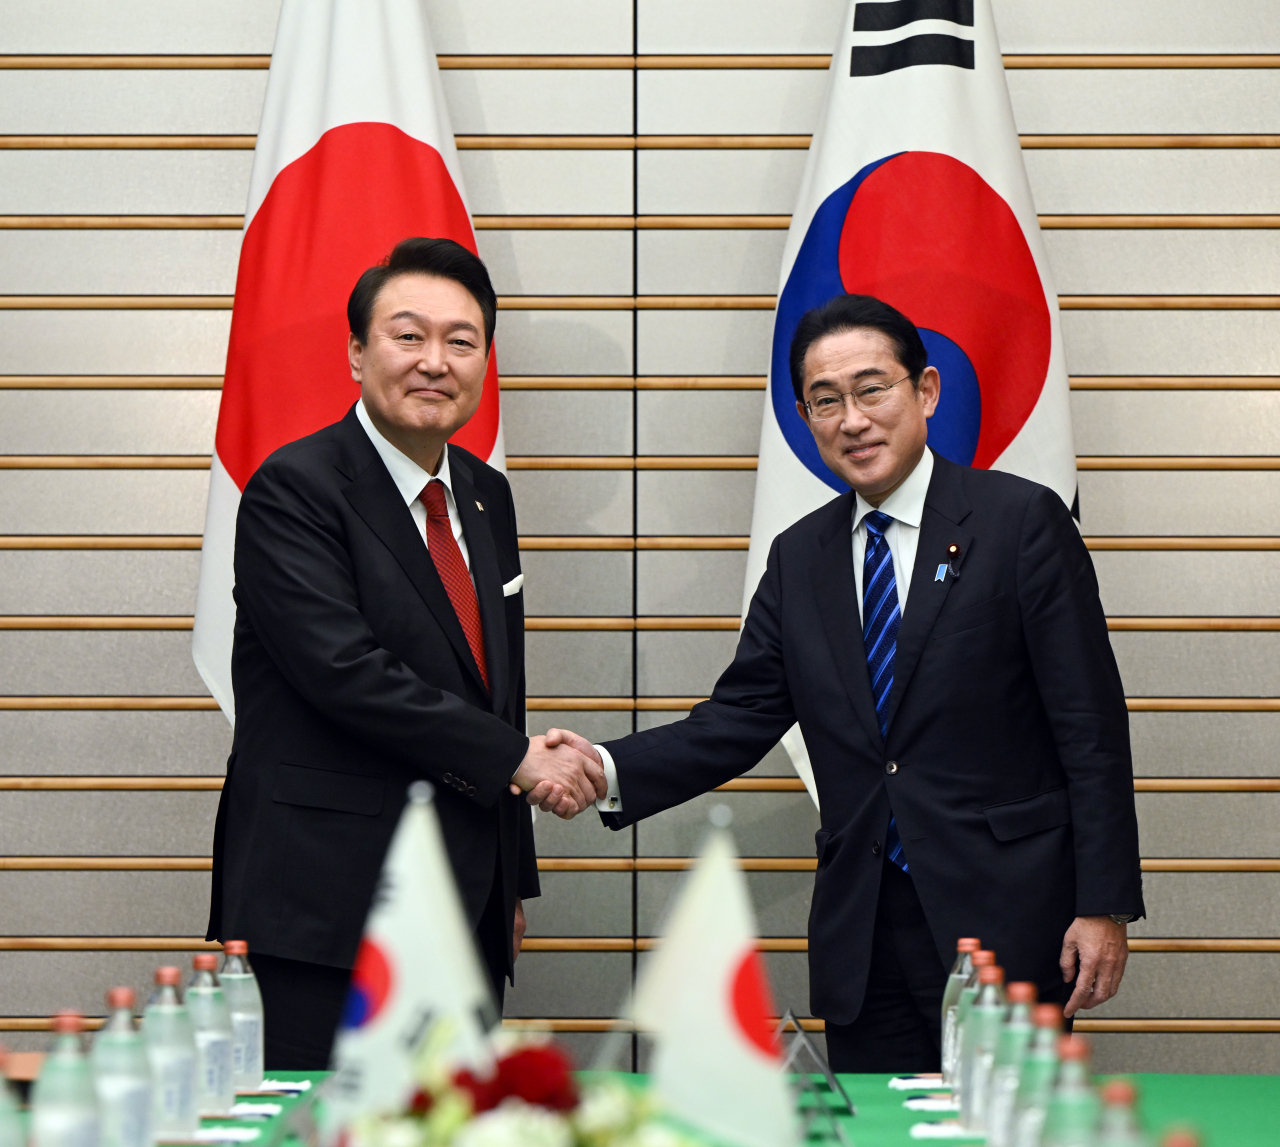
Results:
x,y
1120,1093
1073,1047
68,1022
1022,992
168,976
1047,1016
968,944
205,962
1182,1137
236,948
991,974
121,998
983,957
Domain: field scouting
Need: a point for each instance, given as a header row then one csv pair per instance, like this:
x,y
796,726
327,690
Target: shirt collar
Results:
x,y
906,503
410,478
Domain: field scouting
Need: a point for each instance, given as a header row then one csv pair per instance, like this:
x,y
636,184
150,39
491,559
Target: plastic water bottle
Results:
x,y
1039,1069
983,958
1072,1118
978,1050
171,1049
1011,1050
122,1075
956,981
240,986
12,1133
211,1019
64,1105
1120,1117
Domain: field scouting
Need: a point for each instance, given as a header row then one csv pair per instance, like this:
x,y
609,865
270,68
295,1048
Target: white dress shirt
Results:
x,y
906,507
411,479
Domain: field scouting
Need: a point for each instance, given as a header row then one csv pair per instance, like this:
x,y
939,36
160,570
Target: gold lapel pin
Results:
x,y
479,507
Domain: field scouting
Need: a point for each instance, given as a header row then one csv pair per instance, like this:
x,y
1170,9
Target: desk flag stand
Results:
x,y
813,1112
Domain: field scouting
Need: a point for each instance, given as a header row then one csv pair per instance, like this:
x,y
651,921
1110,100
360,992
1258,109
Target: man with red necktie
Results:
x,y
379,640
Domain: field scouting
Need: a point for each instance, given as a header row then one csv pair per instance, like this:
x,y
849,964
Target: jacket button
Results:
x,y
447,778
471,790
459,784
875,848
891,767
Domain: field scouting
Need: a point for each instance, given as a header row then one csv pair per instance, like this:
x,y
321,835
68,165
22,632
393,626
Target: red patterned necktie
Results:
x,y
453,571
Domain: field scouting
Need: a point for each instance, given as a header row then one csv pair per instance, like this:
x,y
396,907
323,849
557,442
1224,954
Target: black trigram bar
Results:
x,y
876,59
883,17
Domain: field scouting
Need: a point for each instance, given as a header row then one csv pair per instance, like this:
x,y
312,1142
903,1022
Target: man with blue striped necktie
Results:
x,y
964,716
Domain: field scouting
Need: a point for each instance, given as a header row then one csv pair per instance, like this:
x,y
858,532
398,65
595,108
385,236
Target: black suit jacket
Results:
x,y
353,678
1013,789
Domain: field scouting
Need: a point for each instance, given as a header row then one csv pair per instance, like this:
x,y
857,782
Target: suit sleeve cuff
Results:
x,y
612,799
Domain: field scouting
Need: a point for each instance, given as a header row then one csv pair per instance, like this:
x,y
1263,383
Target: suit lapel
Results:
x,y
945,507
488,579
373,495
833,582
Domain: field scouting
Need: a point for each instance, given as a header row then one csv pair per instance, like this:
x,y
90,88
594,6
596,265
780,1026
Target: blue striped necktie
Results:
x,y
881,617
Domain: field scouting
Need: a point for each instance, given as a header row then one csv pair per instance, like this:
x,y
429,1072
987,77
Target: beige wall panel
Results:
x,y
1176,422
690,581
1198,584
567,421
1210,904
698,421
1172,342
582,836
764,824
42,983
703,342
103,501
98,662
560,584
1165,262
1216,1053
139,26
709,262
1209,824
780,899
1199,664
564,342
732,102
694,501
1174,181
548,182
597,983
104,582
1205,744
1178,502
682,664
718,182
107,824
1144,100
558,27
145,102
596,726
578,664
118,262
114,744
581,904
1212,985
104,903
541,102
558,262
723,26
571,502
107,421
788,974
124,182
114,342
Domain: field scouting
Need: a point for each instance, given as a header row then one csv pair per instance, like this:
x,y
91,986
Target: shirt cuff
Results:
x,y
612,799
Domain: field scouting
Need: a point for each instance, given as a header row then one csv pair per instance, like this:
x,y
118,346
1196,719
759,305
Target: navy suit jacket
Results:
x,y
1013,790
353,678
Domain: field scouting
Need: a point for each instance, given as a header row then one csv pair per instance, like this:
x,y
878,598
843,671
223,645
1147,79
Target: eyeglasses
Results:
x,y
864,398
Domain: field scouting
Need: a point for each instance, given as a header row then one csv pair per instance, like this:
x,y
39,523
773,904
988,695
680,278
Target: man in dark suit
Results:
x,y
379,640
937,633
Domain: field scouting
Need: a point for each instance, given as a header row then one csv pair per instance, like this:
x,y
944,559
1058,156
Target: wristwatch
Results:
x,y
1122,917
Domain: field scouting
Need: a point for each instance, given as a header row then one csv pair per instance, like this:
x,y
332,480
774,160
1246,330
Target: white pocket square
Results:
x,y
513,586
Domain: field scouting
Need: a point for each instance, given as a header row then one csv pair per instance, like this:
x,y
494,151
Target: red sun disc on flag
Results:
x,y
328,216
753,1004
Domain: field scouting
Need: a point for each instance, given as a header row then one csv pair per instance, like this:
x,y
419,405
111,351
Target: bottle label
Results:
x,y
65,1127
246,1047
175,1095
126,1111
217,1091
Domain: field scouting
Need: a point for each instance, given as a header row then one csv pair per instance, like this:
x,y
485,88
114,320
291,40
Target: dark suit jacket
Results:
x,y
352,679
1013,790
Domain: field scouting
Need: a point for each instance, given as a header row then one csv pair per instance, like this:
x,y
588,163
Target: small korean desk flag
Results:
x,y
705,997
354,154
417,976
915,192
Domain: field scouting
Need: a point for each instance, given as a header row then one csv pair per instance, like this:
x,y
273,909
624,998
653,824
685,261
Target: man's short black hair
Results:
x,y
854,312
441,257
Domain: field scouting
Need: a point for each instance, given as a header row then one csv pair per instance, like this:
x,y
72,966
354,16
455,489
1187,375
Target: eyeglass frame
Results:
x,y
886,386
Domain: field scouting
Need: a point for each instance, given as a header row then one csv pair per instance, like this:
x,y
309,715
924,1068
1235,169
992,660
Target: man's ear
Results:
x,y
930,389
804,414
355,355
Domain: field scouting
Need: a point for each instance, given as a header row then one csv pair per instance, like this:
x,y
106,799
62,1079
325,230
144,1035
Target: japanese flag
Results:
x,y
705,997
354,154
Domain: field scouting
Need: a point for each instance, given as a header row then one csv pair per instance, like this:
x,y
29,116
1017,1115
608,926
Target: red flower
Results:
x,y
540,1075
421,1103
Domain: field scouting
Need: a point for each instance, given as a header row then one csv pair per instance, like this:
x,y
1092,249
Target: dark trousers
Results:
x,y
302,1002
899,1028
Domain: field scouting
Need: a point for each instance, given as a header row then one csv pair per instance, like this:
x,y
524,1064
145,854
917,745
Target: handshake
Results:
x,y
561,773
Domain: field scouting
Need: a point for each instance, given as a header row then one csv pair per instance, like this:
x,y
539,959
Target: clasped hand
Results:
x,y
561,773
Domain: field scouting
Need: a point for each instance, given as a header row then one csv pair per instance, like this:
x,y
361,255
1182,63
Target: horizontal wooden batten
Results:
x,y
1174,543
1099,1026
808,864
801,944
35,621
76,704
623,462
110,382
1210,864
106,864
108,944
1203,704
1183,462
631,382
603,624
104,461
1193,624
1206,784
111,784
1175,382
101,542
676,542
